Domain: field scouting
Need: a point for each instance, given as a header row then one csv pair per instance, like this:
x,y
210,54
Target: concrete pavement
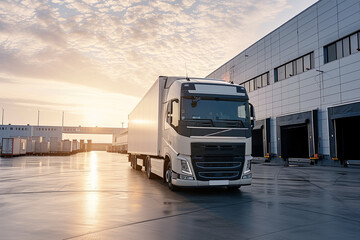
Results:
x,y
97,195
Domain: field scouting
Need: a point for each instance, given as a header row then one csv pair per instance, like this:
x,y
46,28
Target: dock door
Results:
x,y
261,139
297,136
344,132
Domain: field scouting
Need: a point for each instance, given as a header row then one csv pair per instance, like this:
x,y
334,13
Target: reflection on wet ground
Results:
x,y
97,195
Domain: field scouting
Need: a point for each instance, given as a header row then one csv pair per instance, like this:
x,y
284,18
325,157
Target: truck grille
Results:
x,y
218,161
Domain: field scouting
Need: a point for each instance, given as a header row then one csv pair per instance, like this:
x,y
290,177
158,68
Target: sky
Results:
x,y
95,59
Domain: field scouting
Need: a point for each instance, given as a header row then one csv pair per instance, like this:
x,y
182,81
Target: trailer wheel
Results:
x,y
149,174
168,176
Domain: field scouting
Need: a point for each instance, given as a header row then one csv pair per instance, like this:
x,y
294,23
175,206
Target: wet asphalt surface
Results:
x,y
98,196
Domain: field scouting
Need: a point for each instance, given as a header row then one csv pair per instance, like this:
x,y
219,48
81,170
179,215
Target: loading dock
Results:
x,y
344,129
297,136
261,139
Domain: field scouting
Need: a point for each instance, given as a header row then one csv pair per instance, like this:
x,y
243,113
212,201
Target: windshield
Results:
x,y
215,110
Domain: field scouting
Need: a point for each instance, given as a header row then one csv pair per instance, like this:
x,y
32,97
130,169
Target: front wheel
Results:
x,y
168,177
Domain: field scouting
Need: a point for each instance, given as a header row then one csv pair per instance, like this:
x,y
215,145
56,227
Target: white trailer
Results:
x,y
44,147
53,144
38,141
59,147
67,146
75,145
193,133
10,147
30,146
22,147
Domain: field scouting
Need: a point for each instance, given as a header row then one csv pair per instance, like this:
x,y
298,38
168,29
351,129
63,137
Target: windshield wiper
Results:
x,y
202,119
241,123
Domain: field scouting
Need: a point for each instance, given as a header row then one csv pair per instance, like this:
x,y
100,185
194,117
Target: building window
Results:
x,y
308,62
265,79
289,70
342,47
299,66
257,82
331,52
346,46
354,43
294,67
251,82
339,50
281,73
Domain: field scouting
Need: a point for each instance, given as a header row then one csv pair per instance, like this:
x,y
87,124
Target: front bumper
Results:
x,y
211,183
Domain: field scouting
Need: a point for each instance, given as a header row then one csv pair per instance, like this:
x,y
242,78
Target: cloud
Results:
x,y
122,46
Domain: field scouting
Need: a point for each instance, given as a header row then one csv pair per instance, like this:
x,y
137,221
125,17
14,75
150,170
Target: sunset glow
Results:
x,y
95,59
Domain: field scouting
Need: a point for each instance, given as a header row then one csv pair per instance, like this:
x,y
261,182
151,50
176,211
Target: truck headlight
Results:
x,y
185,168
248,165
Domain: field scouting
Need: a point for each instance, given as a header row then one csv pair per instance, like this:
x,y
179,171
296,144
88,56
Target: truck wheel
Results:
x,y
149,174
168,176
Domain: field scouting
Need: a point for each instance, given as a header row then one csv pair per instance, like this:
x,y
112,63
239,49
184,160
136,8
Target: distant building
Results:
x,y
47,132
24,131
304,82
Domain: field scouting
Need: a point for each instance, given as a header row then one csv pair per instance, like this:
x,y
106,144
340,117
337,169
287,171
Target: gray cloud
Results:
x,y
121,46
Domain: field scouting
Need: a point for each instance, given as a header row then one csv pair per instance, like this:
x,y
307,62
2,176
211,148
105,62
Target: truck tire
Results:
x,y
168,176
149,174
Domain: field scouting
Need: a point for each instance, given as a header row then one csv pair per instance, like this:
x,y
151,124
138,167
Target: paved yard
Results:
x,y
98,196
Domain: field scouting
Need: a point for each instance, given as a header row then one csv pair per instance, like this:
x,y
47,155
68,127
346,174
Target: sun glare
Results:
x,y
93,117
92,196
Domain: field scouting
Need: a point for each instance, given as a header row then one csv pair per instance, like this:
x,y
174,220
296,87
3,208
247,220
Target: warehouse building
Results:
x,y
304,81
24,131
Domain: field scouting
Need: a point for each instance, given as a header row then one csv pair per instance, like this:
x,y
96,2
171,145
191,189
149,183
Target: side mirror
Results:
x,y
252,115
169,108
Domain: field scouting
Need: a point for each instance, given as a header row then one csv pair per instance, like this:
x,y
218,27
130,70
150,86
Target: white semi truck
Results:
x,y
193,132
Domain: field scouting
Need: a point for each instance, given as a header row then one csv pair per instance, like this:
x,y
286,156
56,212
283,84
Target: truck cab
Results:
x,y
201,137
207,134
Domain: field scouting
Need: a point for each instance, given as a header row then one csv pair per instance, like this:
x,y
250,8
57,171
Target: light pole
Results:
x,y
2,117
